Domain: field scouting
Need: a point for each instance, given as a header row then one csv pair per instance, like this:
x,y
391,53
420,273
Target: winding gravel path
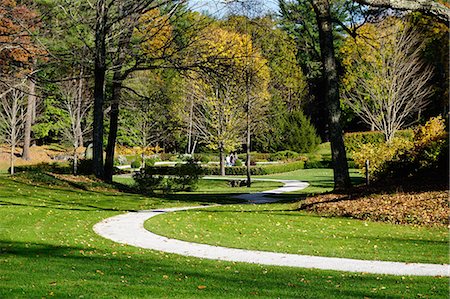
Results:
x,y
129,229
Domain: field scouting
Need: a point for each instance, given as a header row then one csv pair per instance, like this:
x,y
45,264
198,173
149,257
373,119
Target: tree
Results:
x,y
437,9
338,154
18,53
237,67
12,114
29,119
392,81
17,48
112,17
75,121
145,115
217,115
324,21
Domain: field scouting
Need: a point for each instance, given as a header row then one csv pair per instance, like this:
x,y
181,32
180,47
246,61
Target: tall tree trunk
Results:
x,y
248,139
341,174
75,160
29,120
247,162
79,132
118,78
11,159
99,95
113,127
222,160
14,133
191,112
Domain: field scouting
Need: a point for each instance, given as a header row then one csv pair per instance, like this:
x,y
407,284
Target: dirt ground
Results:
x,y
39,154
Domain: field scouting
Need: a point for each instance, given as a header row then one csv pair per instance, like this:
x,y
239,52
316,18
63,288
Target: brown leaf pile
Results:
x,y
428,208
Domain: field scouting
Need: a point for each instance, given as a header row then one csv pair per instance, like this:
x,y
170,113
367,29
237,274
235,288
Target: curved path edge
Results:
x,y
129,229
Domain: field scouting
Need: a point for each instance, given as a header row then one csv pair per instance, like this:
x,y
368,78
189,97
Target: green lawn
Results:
x,y
218,186
321,180
48,249
278,228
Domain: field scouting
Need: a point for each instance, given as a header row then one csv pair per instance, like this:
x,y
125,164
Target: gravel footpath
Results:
x,y
129,229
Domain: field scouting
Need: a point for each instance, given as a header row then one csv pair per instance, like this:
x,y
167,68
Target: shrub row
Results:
x,y
354,141
84,168
60,168
256,170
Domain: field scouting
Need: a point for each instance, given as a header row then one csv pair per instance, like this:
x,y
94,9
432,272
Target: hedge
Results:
x,y
353,141
256,170
61,168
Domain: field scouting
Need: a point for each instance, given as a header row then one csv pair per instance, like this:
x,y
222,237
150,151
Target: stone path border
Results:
x,y
129,229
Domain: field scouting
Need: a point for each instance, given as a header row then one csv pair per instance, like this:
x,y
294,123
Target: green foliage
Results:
x,y
150,162
256,170
299,134
51,121
206,157
290,131
136,164
354,141
85,166
187,176
255,157
427,154
61,168
181,177
238,163
284,155
310,164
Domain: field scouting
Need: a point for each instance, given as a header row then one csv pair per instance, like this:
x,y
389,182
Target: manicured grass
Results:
x,y
320,180
48,249
218,186
278,228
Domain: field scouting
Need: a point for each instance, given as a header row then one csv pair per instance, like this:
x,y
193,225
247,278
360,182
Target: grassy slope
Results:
x,y
280,229
48,249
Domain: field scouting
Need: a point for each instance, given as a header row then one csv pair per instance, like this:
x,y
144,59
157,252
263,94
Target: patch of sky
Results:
x,y
223,8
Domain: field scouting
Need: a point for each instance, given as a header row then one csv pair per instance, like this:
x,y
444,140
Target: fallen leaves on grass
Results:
x,y
418,208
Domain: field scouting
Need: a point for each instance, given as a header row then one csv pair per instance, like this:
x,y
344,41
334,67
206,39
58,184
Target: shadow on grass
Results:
x,y
37,269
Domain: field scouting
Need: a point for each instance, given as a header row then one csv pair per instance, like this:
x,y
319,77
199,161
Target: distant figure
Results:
x,y
228,160
233,158
88,154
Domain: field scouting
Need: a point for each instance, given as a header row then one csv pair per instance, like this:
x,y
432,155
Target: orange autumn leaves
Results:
x,y
17,26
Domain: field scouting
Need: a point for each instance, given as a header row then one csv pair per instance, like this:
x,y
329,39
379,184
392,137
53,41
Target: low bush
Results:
x,y
284,155
238,163
206,157
181,177
136,164
354,141
150,161
379,154
167,157
85,167
426,153
255,157
310,164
